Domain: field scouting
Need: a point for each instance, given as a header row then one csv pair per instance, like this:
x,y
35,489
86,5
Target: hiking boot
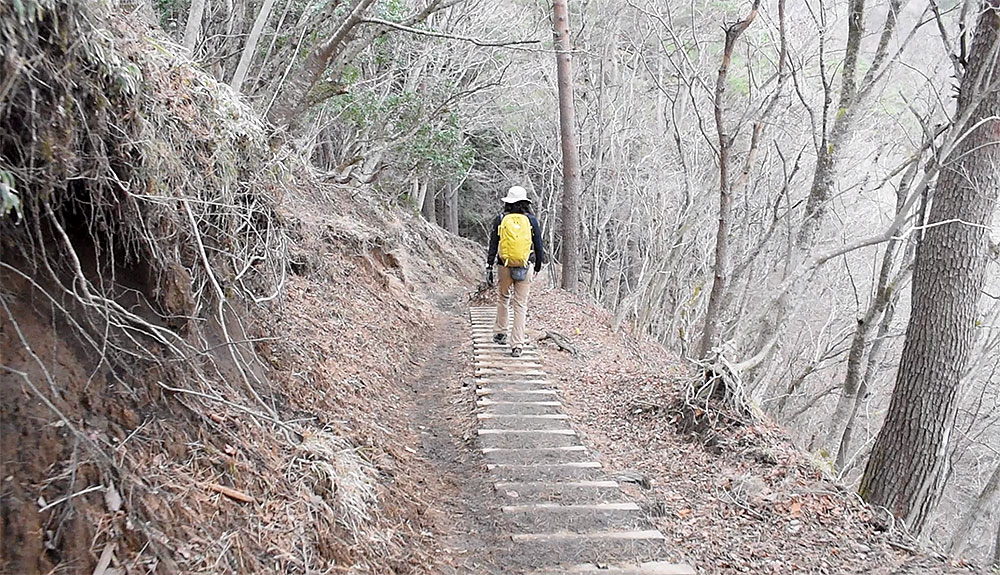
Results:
x,y
500,339
515,352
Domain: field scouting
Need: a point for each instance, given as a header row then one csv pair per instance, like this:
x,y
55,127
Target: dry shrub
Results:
x,y
143,275
343,478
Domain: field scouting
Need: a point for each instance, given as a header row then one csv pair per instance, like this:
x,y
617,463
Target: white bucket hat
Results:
x,y
516,194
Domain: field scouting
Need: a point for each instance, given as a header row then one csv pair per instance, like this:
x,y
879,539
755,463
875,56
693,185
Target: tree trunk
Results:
x,y
873,358
428,207
570,154
884,292
909,459
829,152
720,268
829,149
996,547
441,208
251,46
451,209
983,503
193,27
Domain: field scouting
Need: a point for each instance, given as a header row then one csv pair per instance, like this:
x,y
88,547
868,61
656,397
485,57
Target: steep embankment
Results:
x,y
204,349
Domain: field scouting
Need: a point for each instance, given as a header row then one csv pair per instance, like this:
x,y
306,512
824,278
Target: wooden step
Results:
x,y
511,421
534,439
543,456
529,393
549,416
600,546
575,518
511,365
591,536
514,385
488,345
504,355
519,407
571,471
565,492
491,402
518,396
534,373
649,568
564,431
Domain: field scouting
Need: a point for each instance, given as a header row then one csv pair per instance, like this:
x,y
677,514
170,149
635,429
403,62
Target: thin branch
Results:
x,y
436,34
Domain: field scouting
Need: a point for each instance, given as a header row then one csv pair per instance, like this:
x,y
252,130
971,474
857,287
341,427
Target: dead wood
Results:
x,y
561,341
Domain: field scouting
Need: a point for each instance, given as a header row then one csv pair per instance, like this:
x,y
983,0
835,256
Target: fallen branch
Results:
x,y
561,341
231,493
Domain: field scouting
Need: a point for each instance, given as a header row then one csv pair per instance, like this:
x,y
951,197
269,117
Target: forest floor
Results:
x,y
739,499
742,500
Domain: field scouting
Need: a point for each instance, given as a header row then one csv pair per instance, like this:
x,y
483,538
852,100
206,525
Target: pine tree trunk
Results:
x,y
193,27
983,503
251,46
908,464
570,154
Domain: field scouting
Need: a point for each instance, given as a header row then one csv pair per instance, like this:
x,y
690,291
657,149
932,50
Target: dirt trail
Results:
x,y
444,419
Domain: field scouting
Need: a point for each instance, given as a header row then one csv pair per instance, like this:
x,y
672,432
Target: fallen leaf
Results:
x,y
683,513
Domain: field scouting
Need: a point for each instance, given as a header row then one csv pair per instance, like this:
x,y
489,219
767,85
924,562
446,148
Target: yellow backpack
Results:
x,y
515,240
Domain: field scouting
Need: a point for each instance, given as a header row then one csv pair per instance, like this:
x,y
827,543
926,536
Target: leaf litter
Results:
x,y
730,498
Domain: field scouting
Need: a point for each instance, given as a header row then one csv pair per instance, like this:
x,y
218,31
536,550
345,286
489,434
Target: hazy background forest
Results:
x,y
443,104
831,116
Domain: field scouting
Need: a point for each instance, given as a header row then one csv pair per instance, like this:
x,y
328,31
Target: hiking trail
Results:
x,y
558,506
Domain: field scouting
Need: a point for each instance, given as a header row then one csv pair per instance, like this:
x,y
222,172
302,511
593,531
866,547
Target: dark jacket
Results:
x,y
537,254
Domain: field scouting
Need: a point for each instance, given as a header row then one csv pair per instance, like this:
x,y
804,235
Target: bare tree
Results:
x,y
831,141
451,208
837,439
905,473
293,101
571,161
720,269
996,547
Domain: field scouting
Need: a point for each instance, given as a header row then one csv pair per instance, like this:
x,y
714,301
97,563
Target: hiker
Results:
x,y
515,245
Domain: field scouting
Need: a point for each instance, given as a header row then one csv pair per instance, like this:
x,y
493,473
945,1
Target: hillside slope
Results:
x,y
204,347
730,496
